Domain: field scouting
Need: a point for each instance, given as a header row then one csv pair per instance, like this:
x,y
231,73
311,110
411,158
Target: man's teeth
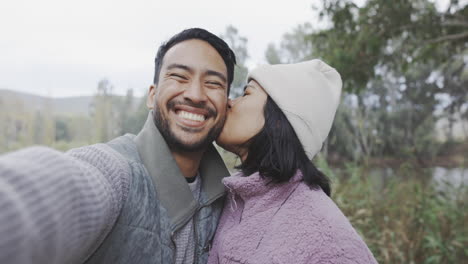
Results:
x,y
191,116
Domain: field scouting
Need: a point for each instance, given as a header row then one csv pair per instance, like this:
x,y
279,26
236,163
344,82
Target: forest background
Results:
x,y
397,152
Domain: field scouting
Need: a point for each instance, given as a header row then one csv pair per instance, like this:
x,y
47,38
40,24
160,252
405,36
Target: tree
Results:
x,y
239,45
272,54
395,58
136,115
62,130
105,118
394,34
294,47
125,113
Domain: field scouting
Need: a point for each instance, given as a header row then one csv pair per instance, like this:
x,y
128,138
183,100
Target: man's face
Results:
x,y
190,99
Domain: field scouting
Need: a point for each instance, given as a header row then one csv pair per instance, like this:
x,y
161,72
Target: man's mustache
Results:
x,y
211,112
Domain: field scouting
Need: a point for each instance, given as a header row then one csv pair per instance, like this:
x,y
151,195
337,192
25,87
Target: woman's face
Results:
x,y
245,119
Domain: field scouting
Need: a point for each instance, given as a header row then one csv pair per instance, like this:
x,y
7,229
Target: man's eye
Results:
x,y
177,76
218,84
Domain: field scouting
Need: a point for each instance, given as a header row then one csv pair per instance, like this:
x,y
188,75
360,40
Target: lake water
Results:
x,y
455,177
441,177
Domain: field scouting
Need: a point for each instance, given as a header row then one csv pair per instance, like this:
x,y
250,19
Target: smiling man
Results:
x,y
151,198
189,99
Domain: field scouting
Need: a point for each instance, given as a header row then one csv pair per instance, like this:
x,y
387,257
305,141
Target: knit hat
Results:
x,y
308,93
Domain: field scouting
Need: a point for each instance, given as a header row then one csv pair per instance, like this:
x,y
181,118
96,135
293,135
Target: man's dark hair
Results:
x,y
277,153
217,43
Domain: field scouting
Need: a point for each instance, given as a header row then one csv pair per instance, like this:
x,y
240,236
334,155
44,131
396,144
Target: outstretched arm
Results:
x,y
57,207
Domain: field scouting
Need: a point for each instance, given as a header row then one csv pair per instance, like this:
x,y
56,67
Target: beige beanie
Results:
x,y
308,93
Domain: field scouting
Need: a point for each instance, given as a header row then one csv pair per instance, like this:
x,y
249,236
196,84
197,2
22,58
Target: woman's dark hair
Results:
x,y
277,154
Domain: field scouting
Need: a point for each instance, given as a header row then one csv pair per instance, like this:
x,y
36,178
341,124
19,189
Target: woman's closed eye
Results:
x,y
246,91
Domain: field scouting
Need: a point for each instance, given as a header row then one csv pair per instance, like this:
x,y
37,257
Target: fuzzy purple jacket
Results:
x,y
283,223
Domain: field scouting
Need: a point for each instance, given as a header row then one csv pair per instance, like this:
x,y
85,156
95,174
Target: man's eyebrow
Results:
x,y
218,74
179,66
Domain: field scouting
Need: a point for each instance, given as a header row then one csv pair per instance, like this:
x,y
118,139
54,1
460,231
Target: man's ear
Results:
x,y
151,97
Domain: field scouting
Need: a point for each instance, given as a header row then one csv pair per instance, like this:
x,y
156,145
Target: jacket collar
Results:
x,y
253,186
170,185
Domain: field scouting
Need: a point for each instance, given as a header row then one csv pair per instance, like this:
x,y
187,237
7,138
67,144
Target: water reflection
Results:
x,y
445,178
442,178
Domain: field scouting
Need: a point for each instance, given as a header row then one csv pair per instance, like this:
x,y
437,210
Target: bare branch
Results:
x,y
449,38
455,23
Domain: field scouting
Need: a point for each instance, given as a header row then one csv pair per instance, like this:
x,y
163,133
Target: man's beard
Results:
x,y
175,143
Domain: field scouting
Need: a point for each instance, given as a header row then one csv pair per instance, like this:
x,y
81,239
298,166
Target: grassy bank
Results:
x,y
448,155
407,220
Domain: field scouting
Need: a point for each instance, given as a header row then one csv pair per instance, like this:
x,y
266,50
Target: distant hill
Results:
x,y
77,105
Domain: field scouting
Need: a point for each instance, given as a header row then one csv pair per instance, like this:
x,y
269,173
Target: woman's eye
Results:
x,y
245,90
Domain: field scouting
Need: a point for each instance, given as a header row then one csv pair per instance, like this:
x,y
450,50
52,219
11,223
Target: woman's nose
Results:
x,y
230,103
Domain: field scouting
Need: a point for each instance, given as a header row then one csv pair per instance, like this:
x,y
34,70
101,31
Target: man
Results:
x,y
151,198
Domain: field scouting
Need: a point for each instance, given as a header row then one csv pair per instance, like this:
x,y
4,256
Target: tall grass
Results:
x,y
406,220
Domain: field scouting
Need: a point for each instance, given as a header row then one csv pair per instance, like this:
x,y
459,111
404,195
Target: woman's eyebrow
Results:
x,y
249,86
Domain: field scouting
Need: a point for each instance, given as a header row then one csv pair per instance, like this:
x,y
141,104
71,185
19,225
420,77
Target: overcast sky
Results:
x,y
63,48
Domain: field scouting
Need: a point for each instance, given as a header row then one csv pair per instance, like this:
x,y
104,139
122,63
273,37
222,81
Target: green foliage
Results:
x,y
66,145
62,131
238,44
113,115
294,46
231,160
104,112
135,119
403,65
109,116
405,220
404,216
393,34
272,54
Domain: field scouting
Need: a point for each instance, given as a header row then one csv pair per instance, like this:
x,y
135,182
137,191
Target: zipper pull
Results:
x,y
207,247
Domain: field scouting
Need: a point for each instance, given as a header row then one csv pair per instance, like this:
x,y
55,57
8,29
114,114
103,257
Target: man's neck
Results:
x,y
188,162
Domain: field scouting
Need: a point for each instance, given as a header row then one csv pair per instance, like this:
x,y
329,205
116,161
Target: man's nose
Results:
x,y
195,93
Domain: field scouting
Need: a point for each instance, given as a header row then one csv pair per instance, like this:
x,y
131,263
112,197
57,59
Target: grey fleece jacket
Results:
x,y
79,193
120,202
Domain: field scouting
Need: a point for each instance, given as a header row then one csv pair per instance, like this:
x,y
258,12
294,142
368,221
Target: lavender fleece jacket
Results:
x,y
283,223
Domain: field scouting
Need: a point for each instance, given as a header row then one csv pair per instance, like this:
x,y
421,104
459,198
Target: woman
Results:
x,y
278,208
